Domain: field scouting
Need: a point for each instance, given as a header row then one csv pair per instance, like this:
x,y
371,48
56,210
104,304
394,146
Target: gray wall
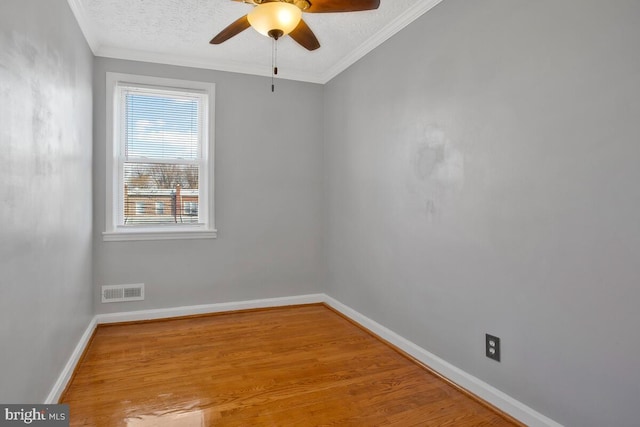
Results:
x,y
268,183
482,176
479,176
45,194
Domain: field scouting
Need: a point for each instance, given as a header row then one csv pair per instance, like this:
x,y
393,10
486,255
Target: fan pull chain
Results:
x,y
274,62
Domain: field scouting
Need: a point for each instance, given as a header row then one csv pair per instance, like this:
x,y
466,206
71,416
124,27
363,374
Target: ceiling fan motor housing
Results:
x,y
302,4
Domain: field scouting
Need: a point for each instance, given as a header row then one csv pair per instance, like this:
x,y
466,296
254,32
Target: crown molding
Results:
x,y
85,25
406,18
321,77
198,62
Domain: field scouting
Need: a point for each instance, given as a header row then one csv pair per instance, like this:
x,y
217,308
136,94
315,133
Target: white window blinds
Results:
x,y
161,126
161,160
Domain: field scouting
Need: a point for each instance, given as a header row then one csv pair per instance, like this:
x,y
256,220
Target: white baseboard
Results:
x,y
465,380
162,313
65,375
500,400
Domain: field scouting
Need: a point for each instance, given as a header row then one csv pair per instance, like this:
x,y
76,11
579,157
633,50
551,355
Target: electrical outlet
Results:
x,y
492,345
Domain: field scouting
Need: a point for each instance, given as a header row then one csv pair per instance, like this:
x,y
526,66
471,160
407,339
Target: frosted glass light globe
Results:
x,y
274,16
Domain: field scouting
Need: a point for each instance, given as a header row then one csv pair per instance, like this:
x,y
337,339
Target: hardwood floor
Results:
x,y
290,366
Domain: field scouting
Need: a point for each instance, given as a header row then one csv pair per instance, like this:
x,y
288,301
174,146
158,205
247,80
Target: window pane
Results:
x,y
160,193
161,126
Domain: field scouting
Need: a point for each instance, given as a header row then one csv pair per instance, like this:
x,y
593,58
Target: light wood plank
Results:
x,y
302,366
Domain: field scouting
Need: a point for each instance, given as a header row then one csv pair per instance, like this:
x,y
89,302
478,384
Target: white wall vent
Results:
x,y
119,293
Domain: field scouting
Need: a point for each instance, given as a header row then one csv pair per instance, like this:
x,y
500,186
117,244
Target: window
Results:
x,y
159,158
139,208
191,208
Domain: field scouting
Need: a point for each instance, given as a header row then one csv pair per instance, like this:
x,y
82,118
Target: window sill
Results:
x,y
155,234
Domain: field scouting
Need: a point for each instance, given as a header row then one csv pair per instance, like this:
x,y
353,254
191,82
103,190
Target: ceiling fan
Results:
x,y
277,18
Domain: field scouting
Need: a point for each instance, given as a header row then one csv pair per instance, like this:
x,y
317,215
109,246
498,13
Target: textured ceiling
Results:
x,y
178,32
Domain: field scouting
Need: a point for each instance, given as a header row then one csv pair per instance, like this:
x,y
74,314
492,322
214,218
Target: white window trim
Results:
x,y
115,232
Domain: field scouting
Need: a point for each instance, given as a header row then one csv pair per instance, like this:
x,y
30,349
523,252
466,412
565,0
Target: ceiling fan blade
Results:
x,y
237,27
327,6
304,36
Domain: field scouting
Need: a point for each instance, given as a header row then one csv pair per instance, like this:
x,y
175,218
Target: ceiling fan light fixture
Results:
x,y
275,18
